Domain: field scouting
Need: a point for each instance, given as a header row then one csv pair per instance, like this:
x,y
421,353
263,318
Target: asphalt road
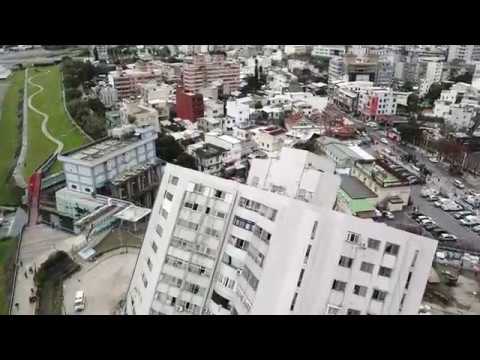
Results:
x,y
441,178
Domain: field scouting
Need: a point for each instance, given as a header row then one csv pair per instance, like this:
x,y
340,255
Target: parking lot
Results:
x,y
439,179
104,283
466,238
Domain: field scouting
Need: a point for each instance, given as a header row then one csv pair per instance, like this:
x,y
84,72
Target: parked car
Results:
x,y
419,219
433,160
470,221
438,231
451,206
79,303
433,198
430,227
476,228
384,141
416,214
388,215
440,202
447,237
424,222
377,213
458,184
461,214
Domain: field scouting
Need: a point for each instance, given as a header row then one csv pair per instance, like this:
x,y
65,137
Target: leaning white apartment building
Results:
x,y
272,246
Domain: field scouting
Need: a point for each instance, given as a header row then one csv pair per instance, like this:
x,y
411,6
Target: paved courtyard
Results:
x,y
39,241
104,282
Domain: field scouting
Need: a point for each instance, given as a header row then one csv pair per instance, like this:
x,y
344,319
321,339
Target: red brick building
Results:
x,y
189,106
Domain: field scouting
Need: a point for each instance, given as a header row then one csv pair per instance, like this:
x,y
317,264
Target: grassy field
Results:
x,y
50,102
7,252
10,136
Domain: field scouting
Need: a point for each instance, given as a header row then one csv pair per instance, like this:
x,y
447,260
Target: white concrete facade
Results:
x,y
328,50
214,246
108,96
295,49
140,114
92,166
239,110
466,53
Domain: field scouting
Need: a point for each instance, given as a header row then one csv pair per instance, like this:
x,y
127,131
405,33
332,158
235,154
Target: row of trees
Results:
x,y
89,113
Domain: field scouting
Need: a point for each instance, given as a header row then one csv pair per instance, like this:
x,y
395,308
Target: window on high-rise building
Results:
x,y
384,271
353,237
307,253
219,194
164,214
379,295
314,230
294,300
144,280
373,244
345,262
339,285
360,290
244,224
168,196
159,230
239,243
366,267
300,277
408,280
154,246
149,264
392,249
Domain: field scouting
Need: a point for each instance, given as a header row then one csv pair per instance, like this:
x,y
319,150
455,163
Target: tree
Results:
x,y
72,93
167,148
410,132
407,86
97,106
187,161
94,125
465,77
78,108
71,81
164,52
434,92
412,103
321,63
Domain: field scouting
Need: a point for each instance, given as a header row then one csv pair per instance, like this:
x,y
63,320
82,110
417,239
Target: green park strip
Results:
x,y
48,101
10,138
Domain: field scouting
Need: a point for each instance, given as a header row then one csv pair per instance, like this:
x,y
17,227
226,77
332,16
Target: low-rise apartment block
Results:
x,y
123,165
204,69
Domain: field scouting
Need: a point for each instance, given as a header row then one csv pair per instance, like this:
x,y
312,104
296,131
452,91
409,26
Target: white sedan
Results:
x,y
384,141
448,237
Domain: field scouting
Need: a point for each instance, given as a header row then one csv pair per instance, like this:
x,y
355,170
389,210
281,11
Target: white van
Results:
x,y
79,304
458,184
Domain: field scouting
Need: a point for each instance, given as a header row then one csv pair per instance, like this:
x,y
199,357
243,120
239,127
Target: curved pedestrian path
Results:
x,y
42,114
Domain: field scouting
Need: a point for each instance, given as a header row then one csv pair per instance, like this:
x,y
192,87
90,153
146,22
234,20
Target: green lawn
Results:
x,y
7,251
50,102
10,136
